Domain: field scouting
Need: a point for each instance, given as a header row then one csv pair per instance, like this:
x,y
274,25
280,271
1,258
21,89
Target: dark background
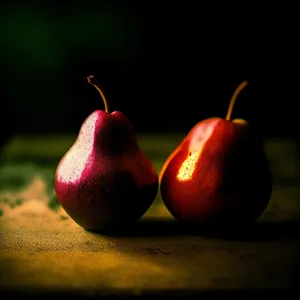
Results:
x,y
166,65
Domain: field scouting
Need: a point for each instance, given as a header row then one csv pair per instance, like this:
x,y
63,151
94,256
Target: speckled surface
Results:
x,y
42,249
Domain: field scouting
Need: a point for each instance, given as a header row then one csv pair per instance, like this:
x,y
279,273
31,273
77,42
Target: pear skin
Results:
x,y
218,175
105,182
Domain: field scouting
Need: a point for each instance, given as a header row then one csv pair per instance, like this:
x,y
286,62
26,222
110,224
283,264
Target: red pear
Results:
x,y
105,182
219,174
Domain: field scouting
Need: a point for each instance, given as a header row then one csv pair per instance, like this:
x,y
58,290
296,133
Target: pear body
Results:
x,y
105,182
218,175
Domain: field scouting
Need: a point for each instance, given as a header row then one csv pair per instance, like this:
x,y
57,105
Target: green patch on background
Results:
x,y
53,203
14,177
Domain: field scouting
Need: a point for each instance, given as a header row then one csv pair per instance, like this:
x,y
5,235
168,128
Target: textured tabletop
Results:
x,y
43,250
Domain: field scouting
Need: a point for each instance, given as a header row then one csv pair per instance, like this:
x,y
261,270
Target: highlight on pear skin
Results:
x,y
219,174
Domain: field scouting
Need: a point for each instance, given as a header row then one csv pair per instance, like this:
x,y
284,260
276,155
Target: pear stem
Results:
x,y
92,81
233,98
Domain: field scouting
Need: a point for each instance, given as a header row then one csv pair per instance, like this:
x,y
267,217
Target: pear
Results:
x,y
105,182
219,174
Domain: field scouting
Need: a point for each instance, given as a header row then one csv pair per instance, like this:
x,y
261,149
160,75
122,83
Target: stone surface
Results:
x,y
42,249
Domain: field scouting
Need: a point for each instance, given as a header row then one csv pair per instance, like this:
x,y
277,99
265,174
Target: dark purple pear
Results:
x,y
105,182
